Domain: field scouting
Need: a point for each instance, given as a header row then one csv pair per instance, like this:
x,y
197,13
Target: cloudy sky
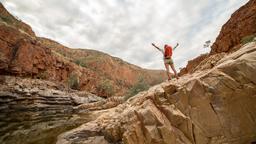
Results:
x,y
126,28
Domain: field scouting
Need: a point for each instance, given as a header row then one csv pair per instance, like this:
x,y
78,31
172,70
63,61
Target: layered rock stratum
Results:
x,y
36,111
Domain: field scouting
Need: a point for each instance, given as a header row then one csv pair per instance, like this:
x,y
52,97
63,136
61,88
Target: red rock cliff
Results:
x,y
242,23
24,54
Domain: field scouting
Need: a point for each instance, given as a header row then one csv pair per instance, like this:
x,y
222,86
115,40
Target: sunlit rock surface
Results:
x,y
213,106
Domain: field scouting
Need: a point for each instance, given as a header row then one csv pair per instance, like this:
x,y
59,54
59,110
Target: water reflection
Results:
x,y
36,128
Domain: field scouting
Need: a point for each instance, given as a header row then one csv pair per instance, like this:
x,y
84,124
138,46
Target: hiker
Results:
x,y
167,53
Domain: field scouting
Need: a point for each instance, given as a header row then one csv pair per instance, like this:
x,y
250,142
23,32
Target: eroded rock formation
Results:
x,y
192,64
242,23
36,111
213,106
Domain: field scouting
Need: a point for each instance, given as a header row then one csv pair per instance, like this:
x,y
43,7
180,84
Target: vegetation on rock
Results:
x,y
73,81
43,75
140,85
248,39
106,87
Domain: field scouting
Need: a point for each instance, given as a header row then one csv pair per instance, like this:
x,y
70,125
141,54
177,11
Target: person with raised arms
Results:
x,y
167,56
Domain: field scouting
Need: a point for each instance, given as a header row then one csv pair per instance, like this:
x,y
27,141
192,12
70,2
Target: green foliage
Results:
x,y
80,62
43,75
93,58
121,82
73,81
247,39
106,87
85,61
62,53
141,85
6,19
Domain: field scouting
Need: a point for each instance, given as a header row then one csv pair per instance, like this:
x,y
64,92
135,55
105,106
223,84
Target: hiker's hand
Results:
x,y
176,46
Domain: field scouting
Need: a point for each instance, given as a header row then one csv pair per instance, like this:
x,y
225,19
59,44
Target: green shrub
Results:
x,y
121,82
106,87
6,19
62,53
80,62
42,75
141,85
73,81
92,59
84,61
247,39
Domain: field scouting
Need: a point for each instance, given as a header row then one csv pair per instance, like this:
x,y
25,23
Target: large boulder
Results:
x,y
213,106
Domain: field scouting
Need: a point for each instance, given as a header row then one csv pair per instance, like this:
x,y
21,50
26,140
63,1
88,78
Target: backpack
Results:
x,y
168,51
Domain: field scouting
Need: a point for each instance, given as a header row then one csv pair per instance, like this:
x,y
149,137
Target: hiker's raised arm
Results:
x,y
155,46
176,46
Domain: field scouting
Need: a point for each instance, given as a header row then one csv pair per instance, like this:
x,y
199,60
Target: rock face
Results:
x,y
109,70
202,62
242,23
21,55
192,64
214,106
36,111
24,54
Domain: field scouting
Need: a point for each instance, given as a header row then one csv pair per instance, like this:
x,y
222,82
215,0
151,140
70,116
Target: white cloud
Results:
x,y
126,28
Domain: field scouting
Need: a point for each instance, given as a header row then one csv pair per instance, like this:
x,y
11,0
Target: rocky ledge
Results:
x,y
213,106
37,111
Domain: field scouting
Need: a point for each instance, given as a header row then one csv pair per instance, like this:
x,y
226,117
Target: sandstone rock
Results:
x,y
84,97
36,111
213,106
242,23
100,104
202,63
192,64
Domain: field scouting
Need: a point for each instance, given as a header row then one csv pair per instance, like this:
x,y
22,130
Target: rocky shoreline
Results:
x,y
37,111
